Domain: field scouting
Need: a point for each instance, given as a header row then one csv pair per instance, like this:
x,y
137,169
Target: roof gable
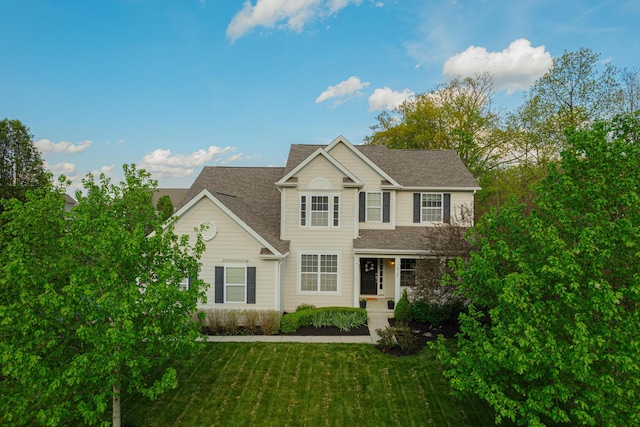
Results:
x,y
289,178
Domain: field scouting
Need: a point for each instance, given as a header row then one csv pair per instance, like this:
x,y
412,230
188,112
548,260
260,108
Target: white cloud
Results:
x,y
61,169
288,14
344,90
388,99
162,163
47,146
515,68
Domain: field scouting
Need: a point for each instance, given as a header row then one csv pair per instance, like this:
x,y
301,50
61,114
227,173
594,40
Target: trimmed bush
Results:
x,y
436,314
291,322
402,311
304,306
270,321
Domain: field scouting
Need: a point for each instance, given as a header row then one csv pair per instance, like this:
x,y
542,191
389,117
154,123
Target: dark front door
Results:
x,y
368,275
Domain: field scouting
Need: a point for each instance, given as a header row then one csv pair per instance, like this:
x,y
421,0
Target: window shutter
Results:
x,y
416,208
188,282
446,205
219,285
386,207
362,206
251,285
303,211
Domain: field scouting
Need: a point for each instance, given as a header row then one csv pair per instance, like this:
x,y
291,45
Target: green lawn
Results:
x,y
265,384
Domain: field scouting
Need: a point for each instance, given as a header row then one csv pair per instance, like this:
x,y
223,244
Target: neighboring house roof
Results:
x,y
69,202
407,167
175,194
402,239
250,193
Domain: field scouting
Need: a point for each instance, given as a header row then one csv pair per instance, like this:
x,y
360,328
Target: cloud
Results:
x,y
344,90
61,168
388,99
515,68
162,163
47,146
287,14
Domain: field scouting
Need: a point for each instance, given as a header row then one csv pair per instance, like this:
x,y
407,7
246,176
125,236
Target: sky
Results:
x,y
175,85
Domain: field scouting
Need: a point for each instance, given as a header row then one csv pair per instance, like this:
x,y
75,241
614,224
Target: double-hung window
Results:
x,y
374,207
407,272
235,284
319,273
431,207
319,211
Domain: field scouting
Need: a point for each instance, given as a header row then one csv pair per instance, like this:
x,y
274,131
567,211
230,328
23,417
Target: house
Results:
x,y
337,223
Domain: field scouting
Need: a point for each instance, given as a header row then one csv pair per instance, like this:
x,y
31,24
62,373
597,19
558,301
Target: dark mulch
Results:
x,y
424,333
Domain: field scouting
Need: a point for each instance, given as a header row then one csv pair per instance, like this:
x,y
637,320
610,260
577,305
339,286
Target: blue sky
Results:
x,y
176,85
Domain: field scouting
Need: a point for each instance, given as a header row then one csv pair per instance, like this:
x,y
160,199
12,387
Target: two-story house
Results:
x,y
337,223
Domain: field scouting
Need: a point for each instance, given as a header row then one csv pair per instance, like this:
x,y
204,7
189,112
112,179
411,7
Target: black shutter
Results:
x,y
251,285
219,285
446,204
386,207
362,206
416,208
188,282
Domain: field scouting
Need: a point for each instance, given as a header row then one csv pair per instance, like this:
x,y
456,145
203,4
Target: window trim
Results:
x,y
380,206
424,209
306,212
225,284
318,290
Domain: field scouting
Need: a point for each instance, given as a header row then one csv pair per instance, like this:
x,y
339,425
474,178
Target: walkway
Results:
x,y
378,319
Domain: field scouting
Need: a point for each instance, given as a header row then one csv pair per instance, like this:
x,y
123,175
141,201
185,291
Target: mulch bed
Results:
x,y
424,333
331,331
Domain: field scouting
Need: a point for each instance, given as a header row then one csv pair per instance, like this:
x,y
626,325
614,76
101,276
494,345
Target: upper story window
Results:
x,y
431,207
374,206
319,211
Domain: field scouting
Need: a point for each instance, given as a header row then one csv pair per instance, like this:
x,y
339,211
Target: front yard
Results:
x,y
264,384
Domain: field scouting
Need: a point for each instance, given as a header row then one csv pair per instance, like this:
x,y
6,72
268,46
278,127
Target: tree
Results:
x,y
91,304
552,330
456,116
165,207
21,167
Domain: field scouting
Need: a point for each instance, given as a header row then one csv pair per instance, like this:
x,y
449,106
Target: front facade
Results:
x,y
338,223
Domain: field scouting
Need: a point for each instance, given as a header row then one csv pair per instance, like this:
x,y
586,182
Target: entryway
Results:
x,y
368,276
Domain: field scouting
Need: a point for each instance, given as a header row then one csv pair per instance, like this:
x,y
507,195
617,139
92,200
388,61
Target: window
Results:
x,y
319,273
374,207
431,207
407,272
235,284
319,211
185,284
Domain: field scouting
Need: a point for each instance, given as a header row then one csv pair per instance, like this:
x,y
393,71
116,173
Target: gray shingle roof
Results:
x,y
409,168
402,238
250,193
175,194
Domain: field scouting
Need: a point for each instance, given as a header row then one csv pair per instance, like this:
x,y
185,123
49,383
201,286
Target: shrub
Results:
x,y
387,339
231,321
291,322
270,321
406,340
402,311
436,314
214,320
304,306
251,318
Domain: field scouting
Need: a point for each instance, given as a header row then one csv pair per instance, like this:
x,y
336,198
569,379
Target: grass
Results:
x,y
290,384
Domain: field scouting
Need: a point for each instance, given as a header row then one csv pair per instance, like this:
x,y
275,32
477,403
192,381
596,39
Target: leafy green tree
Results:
x,y
21,167
456,116
552,331
165,207
91,304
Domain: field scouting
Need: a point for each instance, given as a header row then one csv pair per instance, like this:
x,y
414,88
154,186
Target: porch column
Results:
x,y
396,289
356,281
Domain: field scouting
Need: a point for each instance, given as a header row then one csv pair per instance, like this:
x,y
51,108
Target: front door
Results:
x,y
368,276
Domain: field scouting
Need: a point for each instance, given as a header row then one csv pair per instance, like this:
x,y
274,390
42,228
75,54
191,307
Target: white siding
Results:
x,y
231,245
404,203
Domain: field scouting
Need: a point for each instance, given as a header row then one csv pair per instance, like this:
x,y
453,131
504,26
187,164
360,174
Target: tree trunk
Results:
x,y
116,405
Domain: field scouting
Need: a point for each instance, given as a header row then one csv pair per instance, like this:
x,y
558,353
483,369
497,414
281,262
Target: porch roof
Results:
x,y
410,239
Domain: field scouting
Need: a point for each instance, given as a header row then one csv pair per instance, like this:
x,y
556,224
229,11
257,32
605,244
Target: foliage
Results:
x,y
402,312
551,334
456,116
304,306
21,167
291,322
251,321
90,304
270,321
294,384
165,207
399,334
